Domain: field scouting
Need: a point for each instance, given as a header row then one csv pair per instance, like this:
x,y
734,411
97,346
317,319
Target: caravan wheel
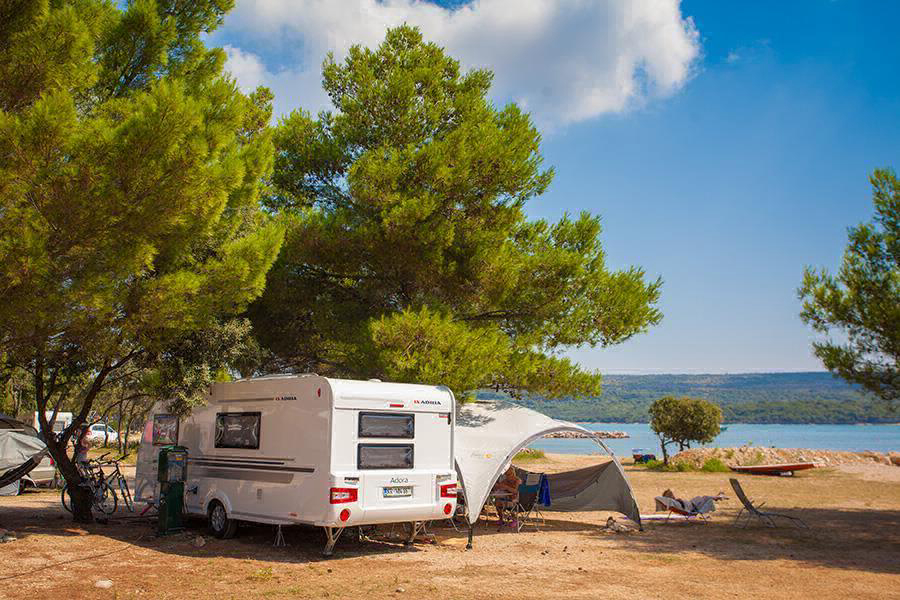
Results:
x,y
219,524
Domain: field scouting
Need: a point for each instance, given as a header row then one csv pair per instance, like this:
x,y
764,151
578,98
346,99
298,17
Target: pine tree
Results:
x,y
130,172
409,255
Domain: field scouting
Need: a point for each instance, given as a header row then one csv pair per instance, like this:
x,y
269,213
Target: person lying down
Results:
x,y
697,504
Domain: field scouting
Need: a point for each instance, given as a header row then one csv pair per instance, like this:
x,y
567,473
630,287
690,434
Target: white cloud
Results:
x,y
247,68
563,60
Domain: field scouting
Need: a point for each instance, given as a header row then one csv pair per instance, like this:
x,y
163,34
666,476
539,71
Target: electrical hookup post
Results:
x,y
172,471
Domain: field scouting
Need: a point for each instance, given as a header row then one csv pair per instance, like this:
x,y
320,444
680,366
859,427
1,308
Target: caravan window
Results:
x,y
387,425
238,430
385,456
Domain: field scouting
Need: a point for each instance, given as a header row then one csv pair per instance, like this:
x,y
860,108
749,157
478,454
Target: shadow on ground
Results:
x,y
865,540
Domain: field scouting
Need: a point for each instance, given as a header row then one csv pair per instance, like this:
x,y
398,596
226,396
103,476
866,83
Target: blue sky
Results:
x,y
731,150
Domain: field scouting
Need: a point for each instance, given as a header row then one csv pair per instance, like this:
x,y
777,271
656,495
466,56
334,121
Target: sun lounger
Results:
x,y
686,509
754,510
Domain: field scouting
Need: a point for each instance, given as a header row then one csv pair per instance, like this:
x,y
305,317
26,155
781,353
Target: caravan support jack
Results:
x,y
279,537
333,533
414,528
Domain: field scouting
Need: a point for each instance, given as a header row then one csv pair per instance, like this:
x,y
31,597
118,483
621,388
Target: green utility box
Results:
x,y
172,469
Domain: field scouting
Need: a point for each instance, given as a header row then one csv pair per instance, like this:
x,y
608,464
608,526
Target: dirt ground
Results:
x,y
852,550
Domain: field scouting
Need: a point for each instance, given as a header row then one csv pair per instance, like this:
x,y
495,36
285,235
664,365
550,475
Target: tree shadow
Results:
x,y
304,544
478,413
863,540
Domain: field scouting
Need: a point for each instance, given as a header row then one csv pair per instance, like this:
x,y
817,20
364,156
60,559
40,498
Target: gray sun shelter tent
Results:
x,y
488,436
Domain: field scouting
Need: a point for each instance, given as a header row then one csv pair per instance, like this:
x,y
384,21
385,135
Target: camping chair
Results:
x,y
753,510
527,508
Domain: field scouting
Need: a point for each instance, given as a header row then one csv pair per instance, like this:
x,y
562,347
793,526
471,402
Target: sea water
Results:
x,y
855,438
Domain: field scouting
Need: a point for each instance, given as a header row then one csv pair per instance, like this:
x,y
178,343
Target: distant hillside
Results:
x,y
747,398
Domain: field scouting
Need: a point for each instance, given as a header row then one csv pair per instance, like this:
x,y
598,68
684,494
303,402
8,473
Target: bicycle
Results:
x,y
117,481
103,496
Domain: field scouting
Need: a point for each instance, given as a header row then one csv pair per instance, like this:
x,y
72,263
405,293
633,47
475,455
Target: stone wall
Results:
x,y
754,455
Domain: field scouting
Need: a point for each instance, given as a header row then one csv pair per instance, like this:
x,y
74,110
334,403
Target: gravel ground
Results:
x,y
853,550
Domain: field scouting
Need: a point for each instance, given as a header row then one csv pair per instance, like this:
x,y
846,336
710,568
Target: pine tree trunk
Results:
x,y
119,431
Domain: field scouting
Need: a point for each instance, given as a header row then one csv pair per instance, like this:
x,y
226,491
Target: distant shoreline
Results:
x,y
806,398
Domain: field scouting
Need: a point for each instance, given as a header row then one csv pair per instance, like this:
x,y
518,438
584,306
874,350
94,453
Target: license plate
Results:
x,y
397,492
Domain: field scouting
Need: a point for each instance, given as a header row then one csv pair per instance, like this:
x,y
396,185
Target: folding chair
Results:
x,y
527,509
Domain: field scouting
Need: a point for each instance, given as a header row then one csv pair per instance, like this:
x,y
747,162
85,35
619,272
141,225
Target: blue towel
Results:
x,y
544,492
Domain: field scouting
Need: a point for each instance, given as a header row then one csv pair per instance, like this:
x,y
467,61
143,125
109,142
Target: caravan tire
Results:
x,y
219,524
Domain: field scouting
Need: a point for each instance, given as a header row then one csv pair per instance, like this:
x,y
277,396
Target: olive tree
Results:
x,y
683,421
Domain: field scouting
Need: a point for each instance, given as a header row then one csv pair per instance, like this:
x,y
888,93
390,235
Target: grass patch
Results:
x,y
264,574
529,454
113,452
714,465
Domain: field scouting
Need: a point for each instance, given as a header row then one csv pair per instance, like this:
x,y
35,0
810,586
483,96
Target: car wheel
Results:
x,y
219,524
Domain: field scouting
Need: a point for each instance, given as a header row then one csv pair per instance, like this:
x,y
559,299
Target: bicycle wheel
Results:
x,y
126,494
66,498
105,499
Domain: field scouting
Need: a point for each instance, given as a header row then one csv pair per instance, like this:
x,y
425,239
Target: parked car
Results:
x,y
98,432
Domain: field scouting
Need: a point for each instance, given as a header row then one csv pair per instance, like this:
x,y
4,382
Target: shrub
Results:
x,y
675,467
714,465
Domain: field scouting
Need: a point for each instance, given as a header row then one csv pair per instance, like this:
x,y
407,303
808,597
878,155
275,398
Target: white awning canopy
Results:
x,y
488,436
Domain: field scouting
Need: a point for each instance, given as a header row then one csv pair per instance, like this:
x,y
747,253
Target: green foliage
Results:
x,y
715,465
666,467
408,254
684,420
748,398
130,174
425,346
862,302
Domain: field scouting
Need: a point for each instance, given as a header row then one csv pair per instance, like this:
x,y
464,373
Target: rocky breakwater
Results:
x,y
754,455
573,435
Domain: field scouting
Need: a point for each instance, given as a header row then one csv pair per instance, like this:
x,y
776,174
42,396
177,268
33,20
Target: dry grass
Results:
x,y
853,551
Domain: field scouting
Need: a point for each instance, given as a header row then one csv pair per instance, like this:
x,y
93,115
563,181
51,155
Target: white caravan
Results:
x,y
308,449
